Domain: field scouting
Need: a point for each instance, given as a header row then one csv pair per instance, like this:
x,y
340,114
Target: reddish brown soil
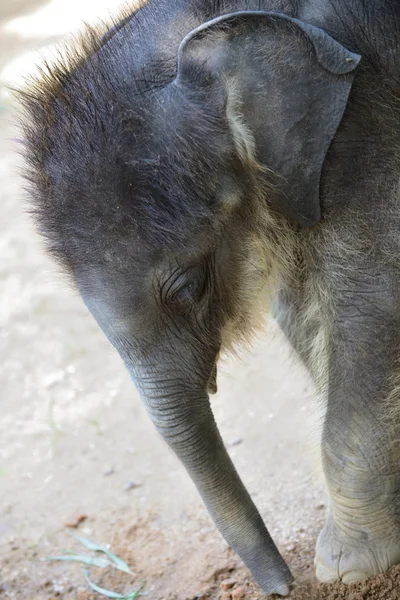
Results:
x,y
167,575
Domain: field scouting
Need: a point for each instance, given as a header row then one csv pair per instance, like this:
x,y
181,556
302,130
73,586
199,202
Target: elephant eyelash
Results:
x,y
184,288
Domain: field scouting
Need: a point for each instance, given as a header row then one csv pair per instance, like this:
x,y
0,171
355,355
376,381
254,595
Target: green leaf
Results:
x,y
118,562
106,593
69,551
82,558
87,543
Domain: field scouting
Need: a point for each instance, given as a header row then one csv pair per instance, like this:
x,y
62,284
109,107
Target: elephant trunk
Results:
x,y
188,426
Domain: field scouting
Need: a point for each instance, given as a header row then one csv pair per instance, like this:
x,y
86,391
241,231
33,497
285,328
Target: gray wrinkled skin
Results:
x,y
191,169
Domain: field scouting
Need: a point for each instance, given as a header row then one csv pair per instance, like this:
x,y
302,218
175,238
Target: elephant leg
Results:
x,y
360,452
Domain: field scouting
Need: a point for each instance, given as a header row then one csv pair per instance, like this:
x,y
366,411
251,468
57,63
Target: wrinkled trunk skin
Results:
x,y
172,375
187,424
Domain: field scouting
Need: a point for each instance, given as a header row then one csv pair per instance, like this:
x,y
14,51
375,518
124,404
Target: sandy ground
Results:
x,y
75,438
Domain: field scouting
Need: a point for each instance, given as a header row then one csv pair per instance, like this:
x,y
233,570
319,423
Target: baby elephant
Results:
x,y
202,156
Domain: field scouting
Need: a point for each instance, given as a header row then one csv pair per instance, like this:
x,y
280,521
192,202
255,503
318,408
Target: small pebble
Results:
x,y
109,471
227,584
235,442
238,593
75,520
132,485
58,588
53,378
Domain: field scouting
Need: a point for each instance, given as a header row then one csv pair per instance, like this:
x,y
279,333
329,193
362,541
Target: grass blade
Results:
x,y
82,558
106,593
87,543
118,562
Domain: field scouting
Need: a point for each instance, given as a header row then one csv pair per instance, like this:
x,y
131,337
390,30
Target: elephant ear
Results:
x,y
284,85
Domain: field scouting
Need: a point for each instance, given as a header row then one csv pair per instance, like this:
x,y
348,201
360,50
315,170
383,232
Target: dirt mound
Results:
x,y
382,587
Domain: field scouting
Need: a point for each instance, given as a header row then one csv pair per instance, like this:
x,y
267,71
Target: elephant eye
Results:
x,y
187,287
187,292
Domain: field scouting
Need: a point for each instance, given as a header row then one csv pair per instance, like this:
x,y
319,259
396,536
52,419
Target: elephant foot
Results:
x,y
351,552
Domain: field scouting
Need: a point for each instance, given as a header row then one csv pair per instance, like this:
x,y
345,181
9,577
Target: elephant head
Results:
x,y
171,175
